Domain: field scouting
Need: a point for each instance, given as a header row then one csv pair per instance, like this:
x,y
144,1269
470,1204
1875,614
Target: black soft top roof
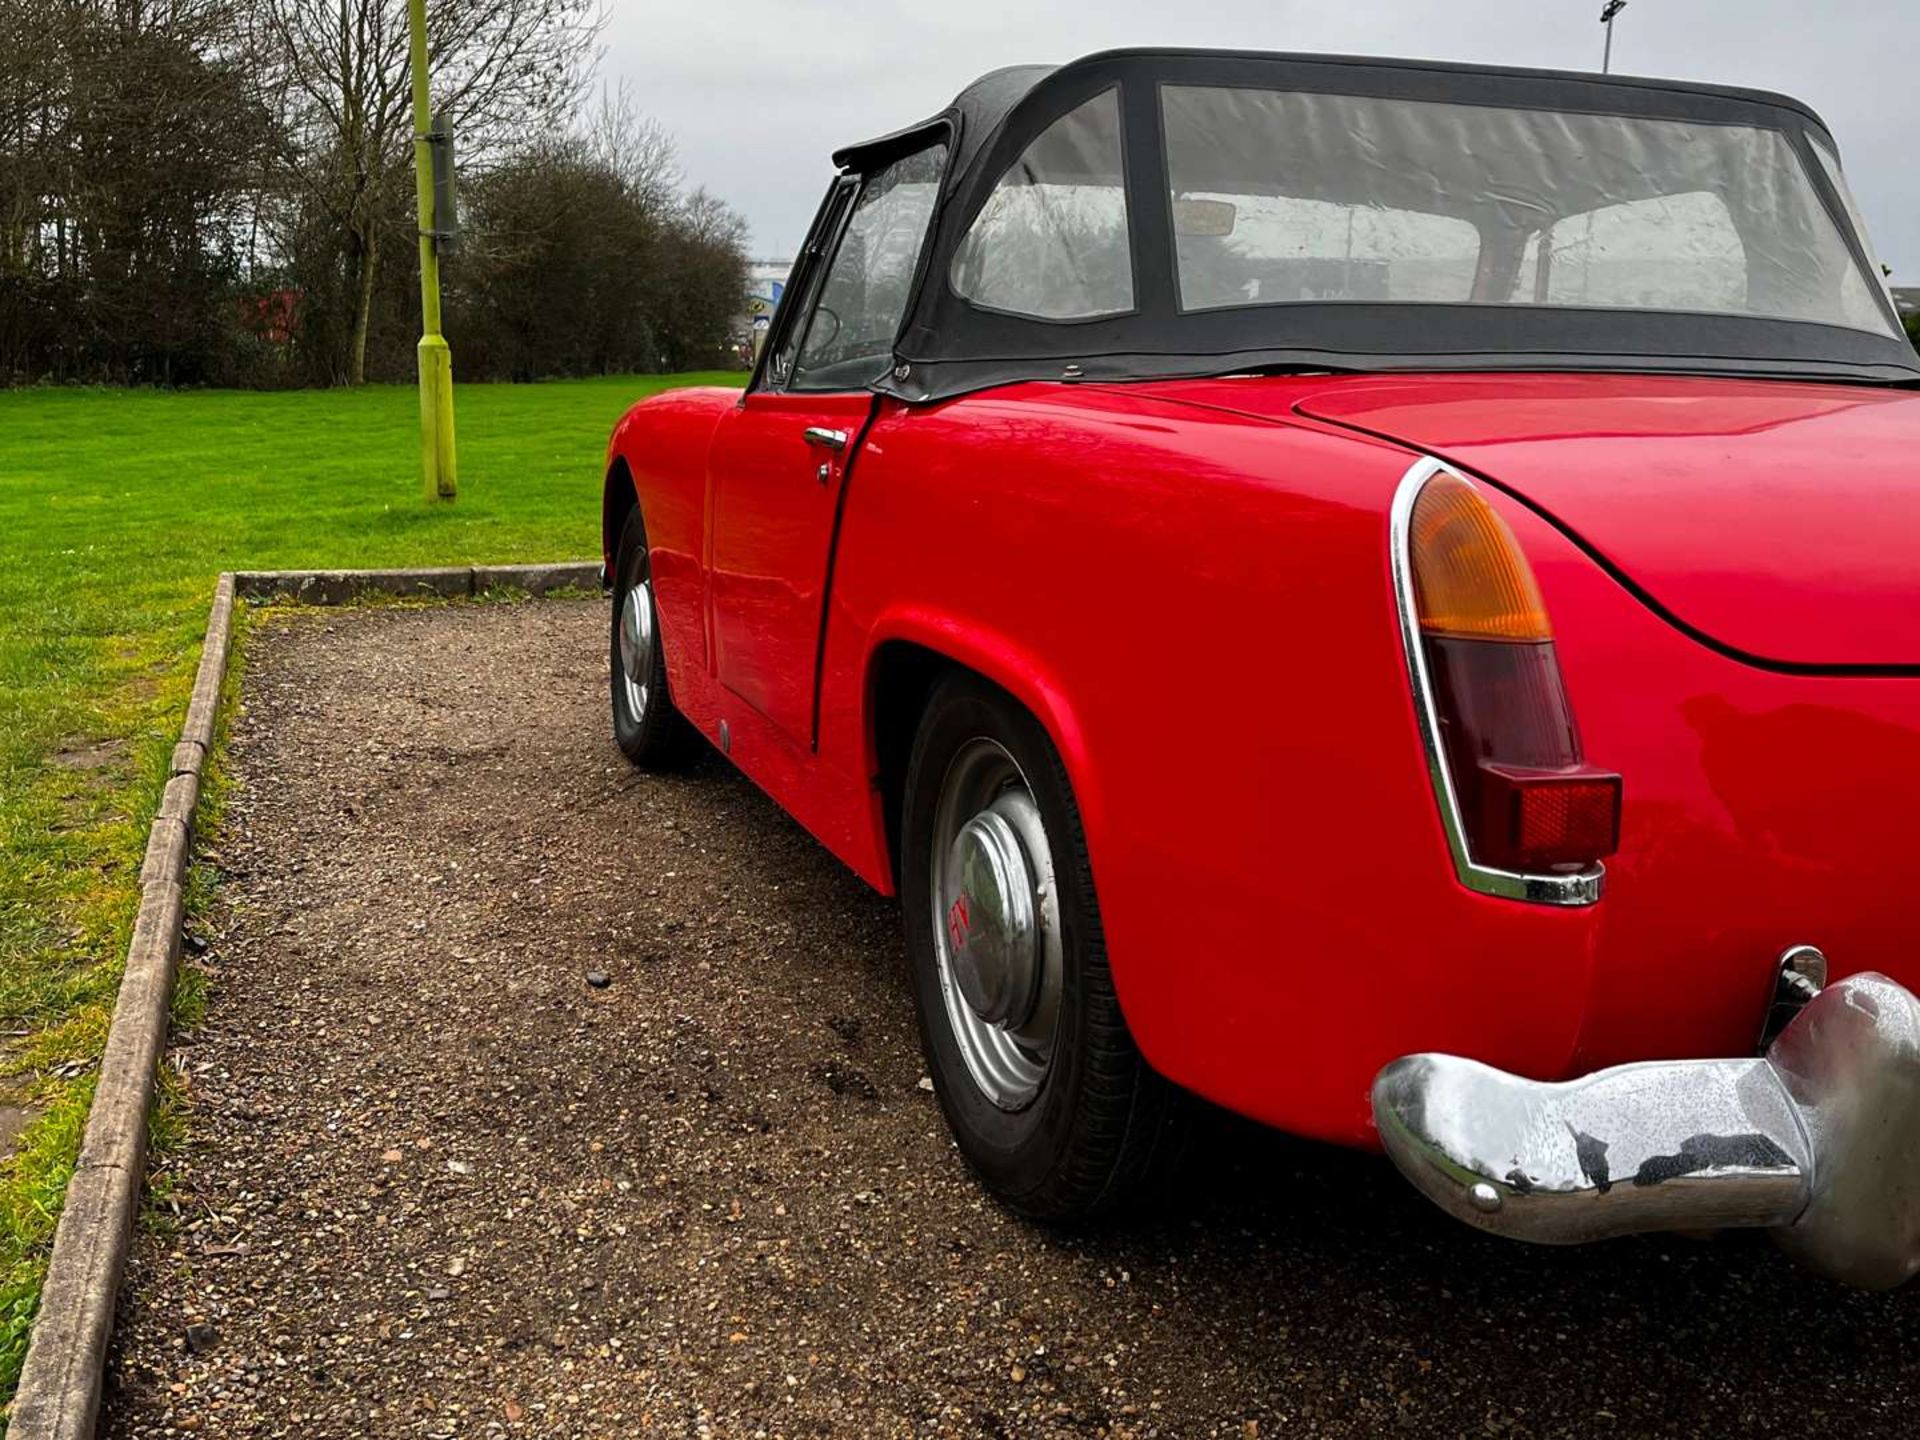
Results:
x,y
985,104
976,112
947,345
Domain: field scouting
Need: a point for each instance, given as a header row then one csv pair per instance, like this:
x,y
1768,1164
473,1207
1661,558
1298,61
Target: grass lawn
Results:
x,y
117,511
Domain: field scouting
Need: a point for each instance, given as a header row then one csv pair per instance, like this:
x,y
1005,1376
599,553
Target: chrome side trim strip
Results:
x,y
1583,888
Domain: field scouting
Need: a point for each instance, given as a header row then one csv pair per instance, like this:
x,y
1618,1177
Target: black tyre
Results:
x,y
1032,1061
645,725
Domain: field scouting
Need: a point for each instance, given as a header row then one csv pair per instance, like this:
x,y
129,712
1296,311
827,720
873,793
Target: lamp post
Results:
x,y
1607,12
437,466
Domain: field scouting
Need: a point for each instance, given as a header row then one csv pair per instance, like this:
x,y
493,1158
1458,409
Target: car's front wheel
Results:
x,y
1032,1061
645,724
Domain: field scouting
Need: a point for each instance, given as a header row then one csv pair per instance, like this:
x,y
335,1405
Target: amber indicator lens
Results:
x,y
1470,578
1528,800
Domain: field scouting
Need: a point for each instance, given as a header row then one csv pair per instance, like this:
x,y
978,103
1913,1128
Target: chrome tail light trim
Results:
x,y
1581,888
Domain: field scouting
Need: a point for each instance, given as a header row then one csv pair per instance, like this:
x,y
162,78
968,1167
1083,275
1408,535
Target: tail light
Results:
x,y
1526,815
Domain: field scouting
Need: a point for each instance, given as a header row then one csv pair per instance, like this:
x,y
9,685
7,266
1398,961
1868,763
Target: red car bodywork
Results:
x,y
1188,583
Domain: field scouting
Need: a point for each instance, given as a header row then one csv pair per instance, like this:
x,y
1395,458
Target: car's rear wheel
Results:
x,y
1032,1061
645,724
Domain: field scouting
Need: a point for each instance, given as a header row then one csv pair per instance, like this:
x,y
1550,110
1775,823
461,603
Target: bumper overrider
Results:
x,y
1817,1140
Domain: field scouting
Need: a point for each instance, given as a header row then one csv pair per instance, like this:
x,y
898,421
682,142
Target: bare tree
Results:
x,y
126,131
588,257
634,147
218,191
30,63
337,70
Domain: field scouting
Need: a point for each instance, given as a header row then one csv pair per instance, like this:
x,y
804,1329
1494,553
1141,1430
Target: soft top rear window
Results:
x,y
1284,196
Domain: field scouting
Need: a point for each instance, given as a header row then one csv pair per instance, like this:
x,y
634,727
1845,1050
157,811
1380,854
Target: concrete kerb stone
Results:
x,y
58,1397
182,794
168,847
188,757
537,579
59,1394
116,1123
204,708
339,587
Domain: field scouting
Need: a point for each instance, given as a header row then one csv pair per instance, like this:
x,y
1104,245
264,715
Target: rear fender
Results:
x,y
1280,911
970,644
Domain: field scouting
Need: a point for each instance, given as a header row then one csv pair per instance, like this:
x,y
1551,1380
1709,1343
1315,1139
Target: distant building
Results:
x,y
766,282
1907,297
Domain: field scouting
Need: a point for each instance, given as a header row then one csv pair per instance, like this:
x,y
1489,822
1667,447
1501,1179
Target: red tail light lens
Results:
x,y
1527,800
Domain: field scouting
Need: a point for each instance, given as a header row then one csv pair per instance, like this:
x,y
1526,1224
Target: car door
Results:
x,y
779,460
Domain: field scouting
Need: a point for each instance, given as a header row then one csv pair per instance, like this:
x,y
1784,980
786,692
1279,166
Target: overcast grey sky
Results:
x,y
757,93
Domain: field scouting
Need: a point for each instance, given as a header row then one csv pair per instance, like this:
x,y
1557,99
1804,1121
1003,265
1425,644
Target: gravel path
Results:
x,y
441,1184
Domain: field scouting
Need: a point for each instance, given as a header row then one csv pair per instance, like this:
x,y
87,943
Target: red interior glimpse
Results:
x,y
1527,799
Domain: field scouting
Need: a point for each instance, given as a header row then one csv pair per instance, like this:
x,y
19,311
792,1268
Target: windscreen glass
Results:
x,y
1281,196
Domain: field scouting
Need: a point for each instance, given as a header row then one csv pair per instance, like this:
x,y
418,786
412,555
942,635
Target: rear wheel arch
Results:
x,y
900,681
619,499
902,675
1049,1098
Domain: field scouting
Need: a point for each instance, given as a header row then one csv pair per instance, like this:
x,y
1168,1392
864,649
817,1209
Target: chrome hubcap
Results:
x,y
991,922
636,643
996,924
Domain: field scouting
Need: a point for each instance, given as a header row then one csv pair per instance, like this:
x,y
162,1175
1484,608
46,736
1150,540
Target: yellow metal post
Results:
x,y
437,465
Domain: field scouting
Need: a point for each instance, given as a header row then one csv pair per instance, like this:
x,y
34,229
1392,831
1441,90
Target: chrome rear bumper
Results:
x,y
1818,1140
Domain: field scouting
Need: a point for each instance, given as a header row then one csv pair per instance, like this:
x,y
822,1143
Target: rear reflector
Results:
x,y
1543,819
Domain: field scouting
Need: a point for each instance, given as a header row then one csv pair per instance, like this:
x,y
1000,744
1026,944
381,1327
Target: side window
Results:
x,y
849,338
790,317
1052,239
1862,307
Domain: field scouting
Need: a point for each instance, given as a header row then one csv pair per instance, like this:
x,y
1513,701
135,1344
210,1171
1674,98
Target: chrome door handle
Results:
x,y
825,439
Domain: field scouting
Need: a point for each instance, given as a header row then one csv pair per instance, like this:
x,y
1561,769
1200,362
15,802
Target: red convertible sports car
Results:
x,y
1381,595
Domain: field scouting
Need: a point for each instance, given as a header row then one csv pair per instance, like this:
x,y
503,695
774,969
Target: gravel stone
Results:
x,y
718,1198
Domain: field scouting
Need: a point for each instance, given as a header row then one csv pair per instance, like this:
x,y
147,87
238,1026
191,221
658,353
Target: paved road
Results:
x,y
440,1185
